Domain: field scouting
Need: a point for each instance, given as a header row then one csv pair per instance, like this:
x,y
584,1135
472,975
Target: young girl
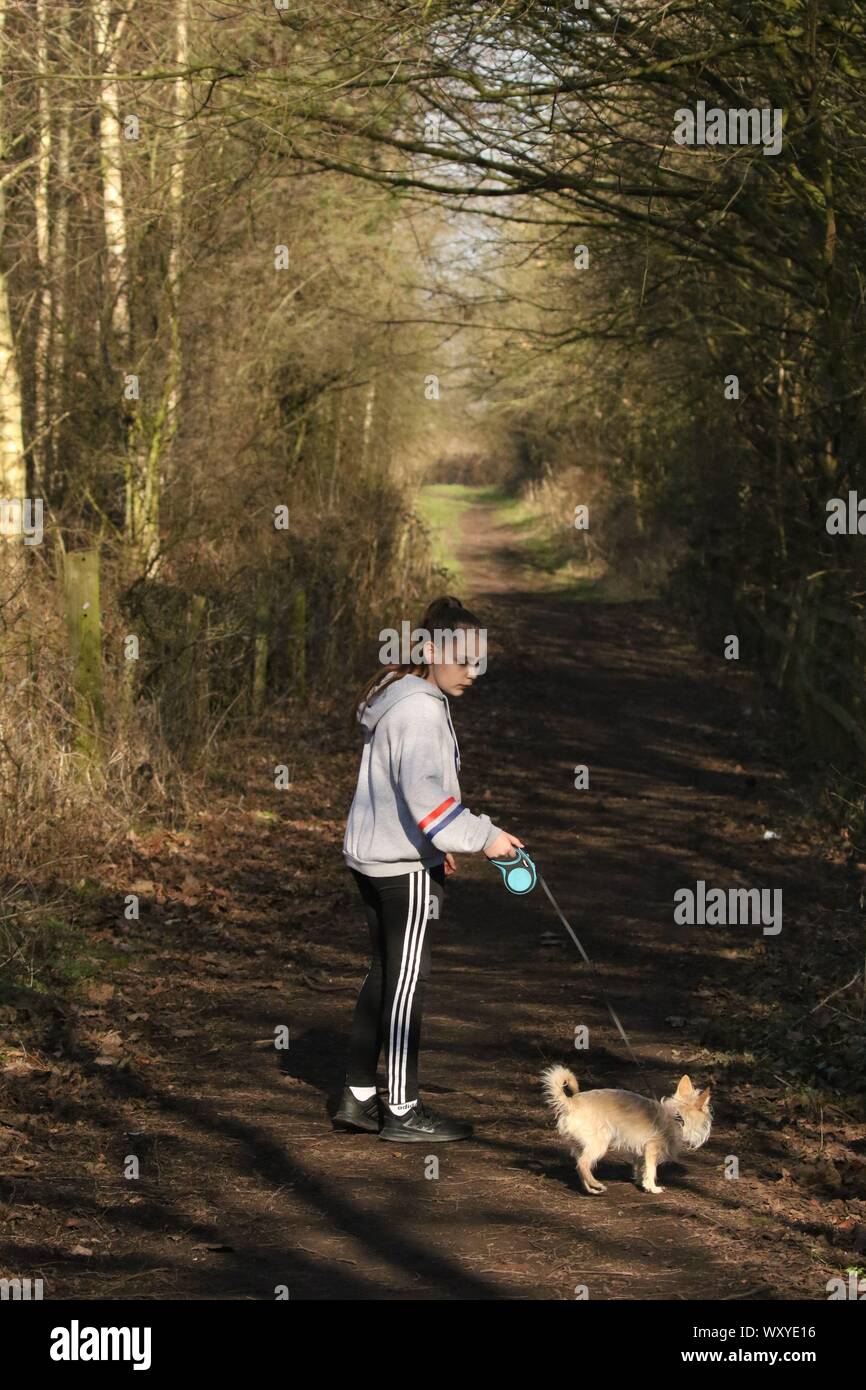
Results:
x,y
405,824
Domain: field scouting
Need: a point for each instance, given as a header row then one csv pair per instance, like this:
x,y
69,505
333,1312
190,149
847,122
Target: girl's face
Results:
x,y
453,677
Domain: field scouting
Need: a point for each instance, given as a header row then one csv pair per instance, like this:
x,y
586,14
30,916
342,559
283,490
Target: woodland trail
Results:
x,y
244,1186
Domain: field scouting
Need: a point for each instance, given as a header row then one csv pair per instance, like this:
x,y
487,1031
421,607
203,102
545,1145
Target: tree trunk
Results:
x,y
13,469
110,162
56,377
43,308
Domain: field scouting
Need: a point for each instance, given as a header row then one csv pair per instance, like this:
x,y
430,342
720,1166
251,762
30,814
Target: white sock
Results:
x,y
401,1109
363,1093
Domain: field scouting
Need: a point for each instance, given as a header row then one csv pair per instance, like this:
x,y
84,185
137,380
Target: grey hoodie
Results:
x,y
406,813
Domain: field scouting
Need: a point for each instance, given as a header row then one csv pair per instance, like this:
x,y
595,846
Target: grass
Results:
x,y
547,550
442,506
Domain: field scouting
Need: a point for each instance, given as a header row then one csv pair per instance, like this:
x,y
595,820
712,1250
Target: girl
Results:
x,y
405,823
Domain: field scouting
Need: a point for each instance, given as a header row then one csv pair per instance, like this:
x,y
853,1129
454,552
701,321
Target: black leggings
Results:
x,y
389,1007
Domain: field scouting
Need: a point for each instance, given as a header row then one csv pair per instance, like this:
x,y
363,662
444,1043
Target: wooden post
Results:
x,y
84,628
298,642
194,670
260,652
794,617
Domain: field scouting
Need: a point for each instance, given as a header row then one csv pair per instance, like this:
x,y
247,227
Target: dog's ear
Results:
x,y
703,1099
685,1088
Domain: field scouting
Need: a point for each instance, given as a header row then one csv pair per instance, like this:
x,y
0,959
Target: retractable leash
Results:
x,y
520,875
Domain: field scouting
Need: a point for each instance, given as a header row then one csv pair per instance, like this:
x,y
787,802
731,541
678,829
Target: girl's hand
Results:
x,y
450,865
503,846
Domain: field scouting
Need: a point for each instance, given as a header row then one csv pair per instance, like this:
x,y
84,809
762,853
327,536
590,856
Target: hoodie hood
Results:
x,y
379,704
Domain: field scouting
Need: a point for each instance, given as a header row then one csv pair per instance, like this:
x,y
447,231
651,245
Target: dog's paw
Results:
x,y
594,1191
654,1188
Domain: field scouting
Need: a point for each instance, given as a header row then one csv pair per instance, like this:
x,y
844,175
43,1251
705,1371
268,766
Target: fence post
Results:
x,y
260,654
298,642
84,628
794,616
194,676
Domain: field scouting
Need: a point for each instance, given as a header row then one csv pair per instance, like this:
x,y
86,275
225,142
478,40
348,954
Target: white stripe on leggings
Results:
x,y
419,945
392,1072
409,966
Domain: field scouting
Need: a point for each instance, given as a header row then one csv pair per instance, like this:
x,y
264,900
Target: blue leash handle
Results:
x,y
518,873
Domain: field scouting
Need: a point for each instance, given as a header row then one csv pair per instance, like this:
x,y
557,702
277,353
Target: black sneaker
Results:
x,y
358,1114
418,1126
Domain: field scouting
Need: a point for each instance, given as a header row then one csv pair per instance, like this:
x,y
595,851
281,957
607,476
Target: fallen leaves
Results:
x,y
145,888
818,1173
99,992
851,1234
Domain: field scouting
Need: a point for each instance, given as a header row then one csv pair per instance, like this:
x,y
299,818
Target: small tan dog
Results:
x,y
654,1131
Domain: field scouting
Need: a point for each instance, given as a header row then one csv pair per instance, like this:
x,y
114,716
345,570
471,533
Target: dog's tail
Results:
x,y
560,1089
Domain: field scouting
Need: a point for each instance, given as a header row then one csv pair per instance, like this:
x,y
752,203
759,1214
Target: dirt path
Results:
x,y
243,1185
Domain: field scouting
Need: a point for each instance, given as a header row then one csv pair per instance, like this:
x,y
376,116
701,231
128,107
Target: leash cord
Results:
x,y
564,920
